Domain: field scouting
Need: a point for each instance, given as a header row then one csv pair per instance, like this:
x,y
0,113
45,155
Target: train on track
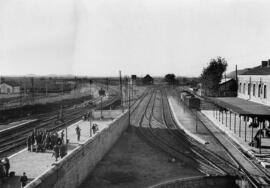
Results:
x,y
190,99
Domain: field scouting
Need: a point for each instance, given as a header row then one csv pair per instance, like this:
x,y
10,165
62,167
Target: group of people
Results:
x,y
40,141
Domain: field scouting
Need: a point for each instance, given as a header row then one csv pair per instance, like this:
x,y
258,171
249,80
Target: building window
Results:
x,y
249,89
264,91
244,88
240,87
259,90
254,89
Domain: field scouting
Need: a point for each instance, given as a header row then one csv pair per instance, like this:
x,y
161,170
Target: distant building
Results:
x,y
9,88
227,88
254,84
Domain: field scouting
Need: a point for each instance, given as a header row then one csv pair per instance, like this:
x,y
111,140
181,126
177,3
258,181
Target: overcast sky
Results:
x,y
99,38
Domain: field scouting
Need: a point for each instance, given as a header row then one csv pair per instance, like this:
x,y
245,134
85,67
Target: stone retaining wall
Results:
x,y
74,168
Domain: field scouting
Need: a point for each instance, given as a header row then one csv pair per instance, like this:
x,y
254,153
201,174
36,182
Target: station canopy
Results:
x,y
241,106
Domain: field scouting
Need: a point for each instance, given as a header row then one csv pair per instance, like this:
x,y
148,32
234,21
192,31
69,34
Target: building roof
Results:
x,y
258,71
223,80
11,83
239,72
241,106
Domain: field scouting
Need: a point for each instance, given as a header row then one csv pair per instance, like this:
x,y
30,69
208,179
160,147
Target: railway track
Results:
x,y
160,136
256,175
14,139
197,148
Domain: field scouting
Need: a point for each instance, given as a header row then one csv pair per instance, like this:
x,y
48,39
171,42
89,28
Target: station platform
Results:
x,y
35,164
242,135
210,131
186,121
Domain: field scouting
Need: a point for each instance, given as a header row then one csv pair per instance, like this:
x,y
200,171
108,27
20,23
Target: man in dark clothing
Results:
x,y
47,141
6,164
53,140
78,132
56,152
62,136
62,150
2,170
32,141
59,141
23,180
29,142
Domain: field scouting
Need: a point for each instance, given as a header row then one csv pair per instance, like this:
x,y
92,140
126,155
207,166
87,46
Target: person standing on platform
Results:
x,y
32,141
56,152
23,180
29,142
6,164
62,136
62,150
78,132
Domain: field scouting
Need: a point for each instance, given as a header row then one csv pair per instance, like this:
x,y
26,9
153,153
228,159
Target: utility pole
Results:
x,y
46,87
90,119
66,136
121,91
128,105
101,94
260,123
107,84
133,79
62,87
101,108
131,89
236,78
126,91
32,90
90,83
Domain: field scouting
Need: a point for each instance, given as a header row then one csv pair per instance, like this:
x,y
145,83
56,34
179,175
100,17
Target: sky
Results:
x,y
156,37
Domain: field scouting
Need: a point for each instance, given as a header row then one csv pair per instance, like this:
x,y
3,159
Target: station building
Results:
x,y
254,85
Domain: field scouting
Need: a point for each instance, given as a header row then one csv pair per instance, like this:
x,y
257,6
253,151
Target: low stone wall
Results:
x,y
199,182
74,168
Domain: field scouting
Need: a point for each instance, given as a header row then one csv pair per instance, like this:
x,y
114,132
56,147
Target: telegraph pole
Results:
x,y
63,81
131,89
101,94
101,108
236,78
121,91
46,87
33,90
90,119
90,83
128,104
107,83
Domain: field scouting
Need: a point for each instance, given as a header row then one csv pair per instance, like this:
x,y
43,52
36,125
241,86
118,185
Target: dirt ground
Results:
x,y
133,163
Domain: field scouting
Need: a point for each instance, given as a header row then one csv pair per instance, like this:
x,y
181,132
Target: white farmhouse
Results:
x,y
9,88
